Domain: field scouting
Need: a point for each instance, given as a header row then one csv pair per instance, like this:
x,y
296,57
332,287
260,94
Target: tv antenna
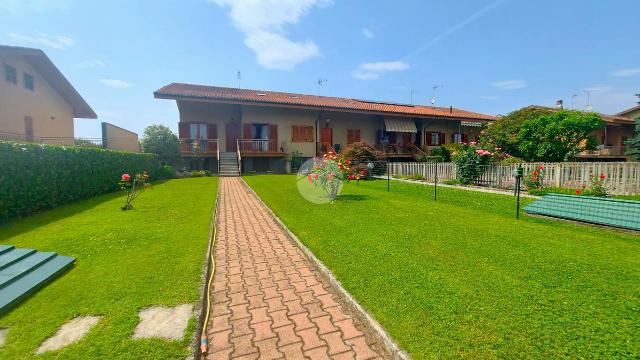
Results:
x,y
239,78
573,98
320,82
588,107
412,92
433,93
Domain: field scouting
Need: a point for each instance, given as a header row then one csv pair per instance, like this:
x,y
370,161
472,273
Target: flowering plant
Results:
x,y
329,173
134,187
534,179
599,185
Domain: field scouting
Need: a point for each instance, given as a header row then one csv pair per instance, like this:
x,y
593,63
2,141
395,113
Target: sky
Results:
x,y
489,56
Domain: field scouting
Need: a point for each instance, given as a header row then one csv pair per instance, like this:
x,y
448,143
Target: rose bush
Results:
x,y
133,187
329,172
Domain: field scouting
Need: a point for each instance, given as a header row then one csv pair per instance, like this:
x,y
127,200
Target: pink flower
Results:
x,y
125,177
473,143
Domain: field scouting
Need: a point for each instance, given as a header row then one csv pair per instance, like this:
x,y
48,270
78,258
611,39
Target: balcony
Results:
x,y
206,147
398,150
260,147
605,151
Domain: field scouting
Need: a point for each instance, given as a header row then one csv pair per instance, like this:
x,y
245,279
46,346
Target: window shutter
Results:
x,y
273,132
295,133
428,137
356,135
465,138
212,131
309,135
246,131
443,138
183,130
349,136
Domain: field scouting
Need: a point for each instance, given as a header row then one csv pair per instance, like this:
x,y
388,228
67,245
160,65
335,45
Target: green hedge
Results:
x,y
34,177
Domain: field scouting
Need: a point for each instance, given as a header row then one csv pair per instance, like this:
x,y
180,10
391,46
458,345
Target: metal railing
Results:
x,y
258,146
239,156
207,146
396,149
51,140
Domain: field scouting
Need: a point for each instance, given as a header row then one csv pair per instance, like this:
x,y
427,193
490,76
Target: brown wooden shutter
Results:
x,y
273,132
443,138
212,131
465,138
356,135
295,133
349,136
428,137
309,134
246,131
183,130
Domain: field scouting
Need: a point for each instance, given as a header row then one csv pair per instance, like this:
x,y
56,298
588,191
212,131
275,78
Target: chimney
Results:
x,y
450,109
559,104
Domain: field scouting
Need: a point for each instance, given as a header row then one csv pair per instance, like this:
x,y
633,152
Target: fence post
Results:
x,y
435,184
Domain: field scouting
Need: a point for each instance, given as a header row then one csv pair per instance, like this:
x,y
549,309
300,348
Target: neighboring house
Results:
x,y
37,103
611,138
117,138
267,127
633,113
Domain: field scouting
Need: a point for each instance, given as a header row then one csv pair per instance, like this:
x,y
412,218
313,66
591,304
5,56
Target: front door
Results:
x,y
232,134
326,139
28,128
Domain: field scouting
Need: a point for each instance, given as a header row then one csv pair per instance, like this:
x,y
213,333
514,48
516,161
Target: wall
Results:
x,y
116,138
52,116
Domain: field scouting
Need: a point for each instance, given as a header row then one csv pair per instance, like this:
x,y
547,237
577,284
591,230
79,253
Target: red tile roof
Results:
x,y
233,95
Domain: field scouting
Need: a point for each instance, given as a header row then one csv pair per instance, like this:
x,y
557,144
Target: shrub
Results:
x,y
534,179
470,162
34,177
443,153
362,153
598,185
200,173
167,172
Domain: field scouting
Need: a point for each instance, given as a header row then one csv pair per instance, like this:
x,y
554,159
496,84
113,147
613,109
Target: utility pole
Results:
x,y
239,78
588,107
573,98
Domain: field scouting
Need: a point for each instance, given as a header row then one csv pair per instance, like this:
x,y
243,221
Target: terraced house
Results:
x,y
264,129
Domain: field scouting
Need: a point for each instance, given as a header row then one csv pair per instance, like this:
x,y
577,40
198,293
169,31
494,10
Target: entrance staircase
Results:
x,y
23,271
228,164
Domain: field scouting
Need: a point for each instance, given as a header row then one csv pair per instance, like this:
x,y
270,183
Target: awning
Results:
x,y
400,125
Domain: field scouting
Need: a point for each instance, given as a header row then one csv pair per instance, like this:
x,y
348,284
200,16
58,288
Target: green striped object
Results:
x,y
24,271
595,210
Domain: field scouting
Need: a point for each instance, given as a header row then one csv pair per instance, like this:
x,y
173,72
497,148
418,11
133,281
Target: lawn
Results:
x,y
125,261
462,278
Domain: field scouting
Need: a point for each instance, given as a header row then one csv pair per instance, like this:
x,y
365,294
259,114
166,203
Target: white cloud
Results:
x,y
373,70
42,39
88,64
509,84
115,83
627,72
263,23
368,33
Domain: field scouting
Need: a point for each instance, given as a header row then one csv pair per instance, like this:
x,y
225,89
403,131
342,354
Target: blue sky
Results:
x,y
485,55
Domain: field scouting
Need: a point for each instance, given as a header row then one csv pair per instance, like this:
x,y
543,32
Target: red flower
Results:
x,y
310,179
316,176
603,176
351,177
535,174
125,177
348,162
578,191
540,167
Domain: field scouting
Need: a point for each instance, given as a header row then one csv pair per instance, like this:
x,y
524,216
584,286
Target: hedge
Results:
x,y
34,177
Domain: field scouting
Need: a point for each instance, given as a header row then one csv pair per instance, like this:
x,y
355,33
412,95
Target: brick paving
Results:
x,y
269,301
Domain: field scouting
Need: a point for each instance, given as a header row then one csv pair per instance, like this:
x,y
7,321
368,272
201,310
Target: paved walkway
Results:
x,y
269,302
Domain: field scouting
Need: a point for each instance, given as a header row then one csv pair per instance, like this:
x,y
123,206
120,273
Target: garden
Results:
x,y
461,277
126,261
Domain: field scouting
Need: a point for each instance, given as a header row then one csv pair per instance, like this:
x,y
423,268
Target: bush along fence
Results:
x,y
34,177
623,178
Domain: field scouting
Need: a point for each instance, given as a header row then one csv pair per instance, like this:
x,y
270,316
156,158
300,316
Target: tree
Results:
x,y
160,140
557,135
634,142
503,133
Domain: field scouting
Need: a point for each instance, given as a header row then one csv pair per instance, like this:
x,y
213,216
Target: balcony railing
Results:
x,y
206,147
605,151
259,146
50,140
396,149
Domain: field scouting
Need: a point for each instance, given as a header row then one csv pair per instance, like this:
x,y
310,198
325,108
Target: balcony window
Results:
x,y
28,81
198,132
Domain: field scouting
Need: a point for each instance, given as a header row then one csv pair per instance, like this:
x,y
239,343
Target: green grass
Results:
x,y
628,197
462,278
125,261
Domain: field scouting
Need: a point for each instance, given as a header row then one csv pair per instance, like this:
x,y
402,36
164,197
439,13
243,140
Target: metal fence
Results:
x,y
623,177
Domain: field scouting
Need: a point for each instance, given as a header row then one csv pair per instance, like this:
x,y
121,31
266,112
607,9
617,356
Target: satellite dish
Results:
x,y
433,101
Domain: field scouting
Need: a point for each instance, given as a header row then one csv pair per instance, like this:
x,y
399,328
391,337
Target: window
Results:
x,y
301,133
458,138
28,81
10,74
434,138
353,136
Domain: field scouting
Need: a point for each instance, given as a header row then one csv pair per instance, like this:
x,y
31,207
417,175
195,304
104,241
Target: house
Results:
x,y
632,113
611,138
117,138
266,128
37,103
